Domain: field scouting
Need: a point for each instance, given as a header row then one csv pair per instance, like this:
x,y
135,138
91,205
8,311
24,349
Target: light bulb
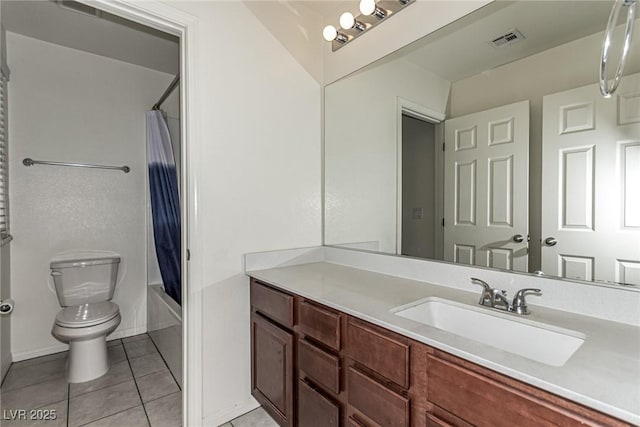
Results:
x,y
329,33
367,7
347,21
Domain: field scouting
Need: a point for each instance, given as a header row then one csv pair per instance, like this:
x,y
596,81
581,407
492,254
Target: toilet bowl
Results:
x,y
84,287
85,328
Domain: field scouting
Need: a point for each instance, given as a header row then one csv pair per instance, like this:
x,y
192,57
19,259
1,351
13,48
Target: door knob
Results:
x,y
550,241
518,238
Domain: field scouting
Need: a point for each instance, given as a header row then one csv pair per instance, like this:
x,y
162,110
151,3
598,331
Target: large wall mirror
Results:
x,y
488,143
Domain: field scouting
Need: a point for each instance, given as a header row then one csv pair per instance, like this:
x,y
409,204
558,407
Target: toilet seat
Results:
x,y
87,315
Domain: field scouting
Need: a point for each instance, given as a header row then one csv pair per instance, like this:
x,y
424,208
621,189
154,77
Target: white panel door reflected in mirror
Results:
x,y
459,72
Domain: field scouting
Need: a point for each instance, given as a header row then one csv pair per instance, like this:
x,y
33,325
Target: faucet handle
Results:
x,y
482,283
519,305
486,297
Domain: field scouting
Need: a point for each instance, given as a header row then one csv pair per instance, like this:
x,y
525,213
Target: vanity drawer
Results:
x,y
384,354
438,417
314,409
322,367
272,303
486,401
375,401
320,323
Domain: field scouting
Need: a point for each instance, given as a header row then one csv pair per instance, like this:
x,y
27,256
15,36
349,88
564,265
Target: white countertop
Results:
x,y
603,374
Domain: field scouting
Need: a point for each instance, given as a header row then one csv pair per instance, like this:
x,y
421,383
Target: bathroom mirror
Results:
x,y
488,143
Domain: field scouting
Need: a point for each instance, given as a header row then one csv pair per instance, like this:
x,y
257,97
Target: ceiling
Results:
x,y
463,49
331,10
107,35
544,24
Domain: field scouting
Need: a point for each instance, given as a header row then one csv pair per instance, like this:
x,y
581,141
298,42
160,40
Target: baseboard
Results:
x,y
225,415
4,366
163,325
30,354
128,332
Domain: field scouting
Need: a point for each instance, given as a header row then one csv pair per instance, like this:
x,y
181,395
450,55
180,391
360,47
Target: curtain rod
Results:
x,y
165,95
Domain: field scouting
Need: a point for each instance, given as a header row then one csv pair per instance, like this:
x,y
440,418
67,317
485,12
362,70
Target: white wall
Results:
x,y
256,179
297,28
361,148
561,68
68,105
256,175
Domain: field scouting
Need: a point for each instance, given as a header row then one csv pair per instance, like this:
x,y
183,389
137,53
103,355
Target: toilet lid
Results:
x,y
82,316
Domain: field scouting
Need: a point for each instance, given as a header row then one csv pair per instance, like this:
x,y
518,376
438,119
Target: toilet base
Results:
x,y
87,360
88,357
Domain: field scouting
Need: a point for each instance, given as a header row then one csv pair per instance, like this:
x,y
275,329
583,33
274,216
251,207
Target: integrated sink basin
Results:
x,y
533,340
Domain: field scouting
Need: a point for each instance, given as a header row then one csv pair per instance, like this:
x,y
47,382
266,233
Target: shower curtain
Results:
x,y
165,202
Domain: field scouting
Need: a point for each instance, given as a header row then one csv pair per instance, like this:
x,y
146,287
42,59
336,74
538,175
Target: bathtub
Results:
x,y
164,326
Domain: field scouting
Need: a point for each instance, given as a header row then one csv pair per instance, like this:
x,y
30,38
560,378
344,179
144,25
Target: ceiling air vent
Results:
x,y
509,38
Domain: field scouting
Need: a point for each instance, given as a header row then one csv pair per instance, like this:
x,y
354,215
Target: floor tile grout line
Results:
x,y
6,375
13,368
53,378
68,403
165,362
144,408
111,415
101,388
146,354
156,372
162,397
39,357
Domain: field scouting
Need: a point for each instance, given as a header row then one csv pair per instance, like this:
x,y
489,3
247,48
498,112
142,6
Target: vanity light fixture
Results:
x,y
368,7
348,22
372,14
331,34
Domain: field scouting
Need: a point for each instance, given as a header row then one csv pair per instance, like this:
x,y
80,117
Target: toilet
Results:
x,y
85,286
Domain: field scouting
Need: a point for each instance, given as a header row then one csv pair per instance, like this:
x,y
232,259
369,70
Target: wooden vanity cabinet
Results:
x,y
272,352
319,331
313,366
461,393
386,377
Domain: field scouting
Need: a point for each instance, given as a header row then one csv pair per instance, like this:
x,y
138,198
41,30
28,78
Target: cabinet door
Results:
x,y
272,369
316,410
381,405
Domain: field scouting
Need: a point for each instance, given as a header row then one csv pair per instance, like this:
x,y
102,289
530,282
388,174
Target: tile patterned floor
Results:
x,y
256,418
138,391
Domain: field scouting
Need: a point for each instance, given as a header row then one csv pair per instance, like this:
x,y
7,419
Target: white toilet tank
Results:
x,y
85,280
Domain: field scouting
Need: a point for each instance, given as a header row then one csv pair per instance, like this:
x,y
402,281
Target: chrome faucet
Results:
x,y
496,298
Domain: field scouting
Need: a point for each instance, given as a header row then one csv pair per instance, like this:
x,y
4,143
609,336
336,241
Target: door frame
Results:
x,y
161,16
425,114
